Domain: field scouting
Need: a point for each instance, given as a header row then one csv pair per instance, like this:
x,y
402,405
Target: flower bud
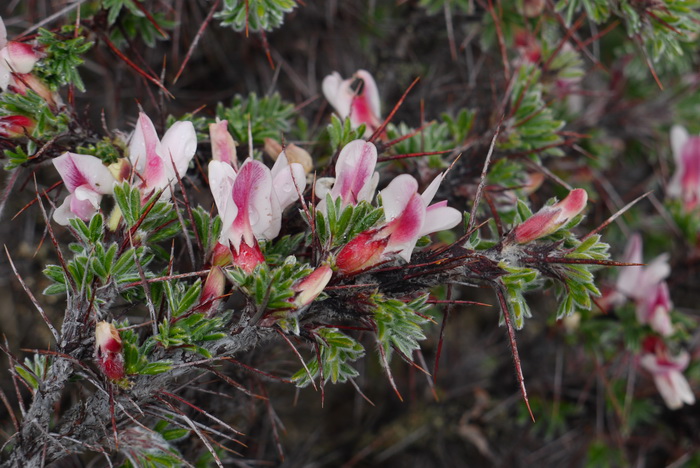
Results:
x,y
15,126
310,287
533,8
108,346
551,218
223,148
295,154
362,252
213,290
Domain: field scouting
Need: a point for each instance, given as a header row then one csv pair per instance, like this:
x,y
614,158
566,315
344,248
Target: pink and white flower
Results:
x,y
667,372
251,201
160,162
355,178
685,184
87,180
645,286
15,57
551,218
362,107
409,216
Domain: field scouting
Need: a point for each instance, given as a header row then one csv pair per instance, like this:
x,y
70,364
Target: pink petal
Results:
x,y
354,171
178,146
18,57
223,148
407,227
144,143
370,92
396,196
83,208
82,169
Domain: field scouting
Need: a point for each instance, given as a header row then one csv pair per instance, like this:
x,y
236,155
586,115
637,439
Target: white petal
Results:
x,y
338,93
284,182
679,137
682,388
440,218
178,146
665,385
62,215
5,76
3,34
432,189
221,179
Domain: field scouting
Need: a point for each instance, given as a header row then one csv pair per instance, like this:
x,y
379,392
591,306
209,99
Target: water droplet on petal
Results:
x,y
253,215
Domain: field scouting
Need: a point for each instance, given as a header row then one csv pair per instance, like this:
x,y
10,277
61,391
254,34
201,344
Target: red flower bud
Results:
x,y
551,218
362,252
108,346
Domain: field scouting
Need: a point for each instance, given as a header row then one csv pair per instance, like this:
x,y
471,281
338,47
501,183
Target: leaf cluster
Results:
x,y
338,225
399,325
336,351
532,127
64,54
254,15
267,117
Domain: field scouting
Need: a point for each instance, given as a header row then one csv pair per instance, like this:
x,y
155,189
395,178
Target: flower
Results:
x,y
108,347
645,285
355,178
159,162
409,216
667,372
551,218
15,57
86,179
250,203
362,107
685,183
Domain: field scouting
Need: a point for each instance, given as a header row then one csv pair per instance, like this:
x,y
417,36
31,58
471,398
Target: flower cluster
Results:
x,y
155,163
